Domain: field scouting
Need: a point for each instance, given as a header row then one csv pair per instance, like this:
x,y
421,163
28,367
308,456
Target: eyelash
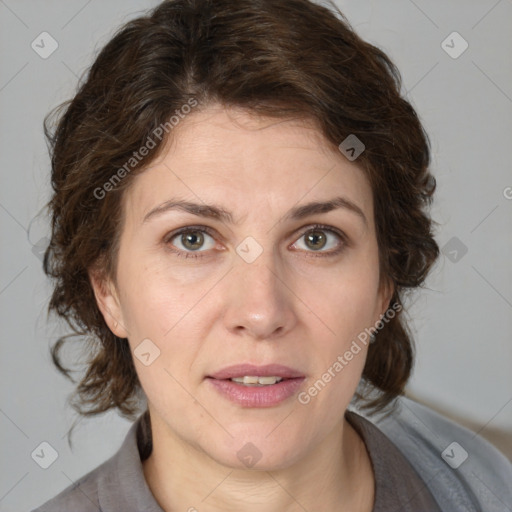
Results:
x,y
209,231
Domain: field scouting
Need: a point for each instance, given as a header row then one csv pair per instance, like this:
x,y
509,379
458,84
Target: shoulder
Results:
x,y
81,496
104,485
456,464
117,484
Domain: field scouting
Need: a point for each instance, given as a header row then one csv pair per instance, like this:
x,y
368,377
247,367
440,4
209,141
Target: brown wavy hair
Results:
x,y
277,58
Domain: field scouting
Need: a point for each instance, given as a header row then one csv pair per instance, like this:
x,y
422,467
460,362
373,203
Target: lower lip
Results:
x,y
257,396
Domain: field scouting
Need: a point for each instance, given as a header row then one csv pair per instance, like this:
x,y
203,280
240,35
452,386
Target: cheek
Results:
x,y
150,310
159,308
151,301
345,300
345,309
342,306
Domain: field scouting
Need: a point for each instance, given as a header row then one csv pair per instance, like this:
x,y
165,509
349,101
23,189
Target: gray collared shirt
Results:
x,y
405,479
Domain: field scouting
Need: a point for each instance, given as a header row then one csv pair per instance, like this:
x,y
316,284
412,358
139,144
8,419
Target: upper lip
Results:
x,y
242,370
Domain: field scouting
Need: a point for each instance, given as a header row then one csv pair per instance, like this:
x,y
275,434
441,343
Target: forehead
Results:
x,y
232,156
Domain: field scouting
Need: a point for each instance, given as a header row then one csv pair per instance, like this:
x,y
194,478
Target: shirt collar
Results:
x,y
397,484
123,488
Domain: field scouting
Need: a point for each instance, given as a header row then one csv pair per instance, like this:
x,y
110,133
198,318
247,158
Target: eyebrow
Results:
x,y
212,211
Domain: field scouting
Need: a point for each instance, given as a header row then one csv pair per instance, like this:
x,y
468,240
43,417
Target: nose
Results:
x,y
261,302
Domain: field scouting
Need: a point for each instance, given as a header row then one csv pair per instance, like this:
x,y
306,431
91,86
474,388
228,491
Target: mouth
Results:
x,y
257,386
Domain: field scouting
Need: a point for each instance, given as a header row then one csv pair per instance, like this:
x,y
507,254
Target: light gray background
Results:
x,y
462,321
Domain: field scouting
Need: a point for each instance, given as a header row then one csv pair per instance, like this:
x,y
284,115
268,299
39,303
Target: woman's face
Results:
x,y
250,282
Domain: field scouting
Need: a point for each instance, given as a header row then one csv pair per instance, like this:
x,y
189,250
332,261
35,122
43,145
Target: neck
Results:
x,y
335,476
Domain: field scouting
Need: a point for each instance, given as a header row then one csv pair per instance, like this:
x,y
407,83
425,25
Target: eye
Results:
x,y
190,240
321,237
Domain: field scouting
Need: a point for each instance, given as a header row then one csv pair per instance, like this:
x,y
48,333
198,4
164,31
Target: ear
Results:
x,y
108,302
386,291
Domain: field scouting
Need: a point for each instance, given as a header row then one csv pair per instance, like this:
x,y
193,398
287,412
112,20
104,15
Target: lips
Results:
x,y
256,395
242,370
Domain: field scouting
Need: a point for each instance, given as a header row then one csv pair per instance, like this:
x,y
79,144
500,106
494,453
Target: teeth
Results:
x,y
254,381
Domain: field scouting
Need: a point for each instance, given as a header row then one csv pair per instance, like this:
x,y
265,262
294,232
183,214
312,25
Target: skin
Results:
x,y
291,306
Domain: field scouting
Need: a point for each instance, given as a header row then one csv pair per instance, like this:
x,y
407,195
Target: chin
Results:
x,y
255,451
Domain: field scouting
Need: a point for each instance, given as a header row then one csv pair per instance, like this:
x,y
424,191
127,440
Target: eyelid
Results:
x,y
322,227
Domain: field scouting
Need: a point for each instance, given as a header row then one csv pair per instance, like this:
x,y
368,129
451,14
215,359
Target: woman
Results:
x,y
239,205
